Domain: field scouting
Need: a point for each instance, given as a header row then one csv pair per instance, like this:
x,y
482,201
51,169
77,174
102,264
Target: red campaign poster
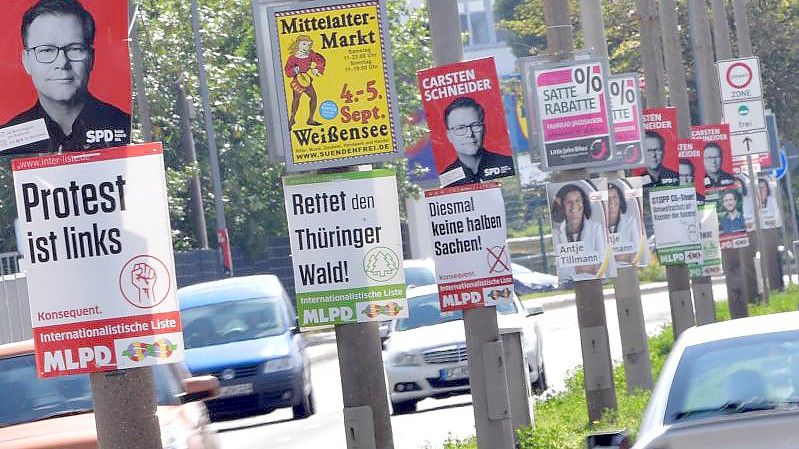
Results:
x,y
463,104
714,143
62,89
660,147
690,165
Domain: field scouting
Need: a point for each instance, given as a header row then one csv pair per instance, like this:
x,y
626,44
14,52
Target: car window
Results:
x,y
419,276
733,375
231,321
28,398
426,311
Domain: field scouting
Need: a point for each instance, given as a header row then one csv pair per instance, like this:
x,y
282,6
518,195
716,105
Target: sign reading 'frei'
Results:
x,y
98,258
467,224
346,247
573,113
742,105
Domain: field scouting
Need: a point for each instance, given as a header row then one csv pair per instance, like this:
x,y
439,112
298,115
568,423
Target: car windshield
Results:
x,y
419,276
425,311
28,398
231,321
737,375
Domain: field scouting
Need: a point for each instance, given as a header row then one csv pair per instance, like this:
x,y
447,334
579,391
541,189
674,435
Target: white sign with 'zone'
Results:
x,y
739,79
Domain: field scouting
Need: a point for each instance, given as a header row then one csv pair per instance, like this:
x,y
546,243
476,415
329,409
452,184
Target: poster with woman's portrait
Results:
x,y
770,210
626,222
579,229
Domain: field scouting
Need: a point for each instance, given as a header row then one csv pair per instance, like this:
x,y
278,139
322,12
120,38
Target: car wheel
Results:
x,y
540,384
403,407
305,408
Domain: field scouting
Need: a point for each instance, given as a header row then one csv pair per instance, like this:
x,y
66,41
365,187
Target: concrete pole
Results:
x,y
521,405
600,390
709,112
634,343
494,428
721,29
190,157
742,28
124,409
651,53
363,384
213,154
682,309
138,78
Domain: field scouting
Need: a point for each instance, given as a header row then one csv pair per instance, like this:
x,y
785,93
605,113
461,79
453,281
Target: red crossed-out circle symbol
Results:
x,y
739,75
497,259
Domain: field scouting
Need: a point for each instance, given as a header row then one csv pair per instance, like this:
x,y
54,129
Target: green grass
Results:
x,y
561,420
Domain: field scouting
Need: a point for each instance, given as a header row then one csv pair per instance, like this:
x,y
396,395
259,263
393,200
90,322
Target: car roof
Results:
x,y
741,327
230,289
15,349
412,263
421,290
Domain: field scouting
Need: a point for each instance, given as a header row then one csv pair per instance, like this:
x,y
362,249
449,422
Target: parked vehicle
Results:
x,y
527,281
419,272
426,353
733,384
57,412
244,330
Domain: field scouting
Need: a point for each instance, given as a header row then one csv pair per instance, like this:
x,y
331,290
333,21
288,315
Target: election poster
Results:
x,y
335,78
660,148
346,247
67,90
468,229
98,257
466,115
676,223
714,143
628,132
729,202
711,248
626,222
691,166
573,113
580,229
770,209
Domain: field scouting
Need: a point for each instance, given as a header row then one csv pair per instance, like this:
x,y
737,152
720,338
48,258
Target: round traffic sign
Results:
x,y
739,75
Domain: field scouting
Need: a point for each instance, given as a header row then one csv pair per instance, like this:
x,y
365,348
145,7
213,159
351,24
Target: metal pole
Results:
x,y
494,428
542,243
124,409
600,389
213,155
758,229
794,219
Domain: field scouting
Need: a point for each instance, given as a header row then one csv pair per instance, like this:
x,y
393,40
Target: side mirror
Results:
x,y
199,388
534,310
614,439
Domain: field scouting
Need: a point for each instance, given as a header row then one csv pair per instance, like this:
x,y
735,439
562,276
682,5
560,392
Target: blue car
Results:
x,y
244,331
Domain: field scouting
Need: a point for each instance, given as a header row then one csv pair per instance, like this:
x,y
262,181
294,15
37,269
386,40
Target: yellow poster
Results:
x,y
334,76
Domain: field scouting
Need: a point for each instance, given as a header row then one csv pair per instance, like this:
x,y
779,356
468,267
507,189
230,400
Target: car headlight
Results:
x,y
174,437
407,359
279,364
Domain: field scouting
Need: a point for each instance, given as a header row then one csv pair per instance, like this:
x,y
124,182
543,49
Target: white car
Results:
x,y
425,354
732,385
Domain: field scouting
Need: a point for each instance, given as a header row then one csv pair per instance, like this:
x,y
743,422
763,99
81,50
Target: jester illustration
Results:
x,y
300,65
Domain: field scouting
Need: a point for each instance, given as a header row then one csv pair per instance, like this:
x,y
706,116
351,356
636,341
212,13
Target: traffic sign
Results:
x,y
749,143
744,116
779,172
739,79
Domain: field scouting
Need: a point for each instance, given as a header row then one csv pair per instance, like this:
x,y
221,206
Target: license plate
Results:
x,y
458,372
235,390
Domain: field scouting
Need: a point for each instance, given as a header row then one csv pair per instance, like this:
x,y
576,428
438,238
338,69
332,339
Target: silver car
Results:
x,y
426,356
732,385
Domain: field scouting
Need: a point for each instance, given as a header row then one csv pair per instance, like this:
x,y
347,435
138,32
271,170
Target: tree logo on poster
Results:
x,y
381,264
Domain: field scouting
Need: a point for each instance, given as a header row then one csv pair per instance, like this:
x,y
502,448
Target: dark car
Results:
x,y
244,331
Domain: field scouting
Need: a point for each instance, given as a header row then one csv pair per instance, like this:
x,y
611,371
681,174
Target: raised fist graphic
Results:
x,y
143,277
